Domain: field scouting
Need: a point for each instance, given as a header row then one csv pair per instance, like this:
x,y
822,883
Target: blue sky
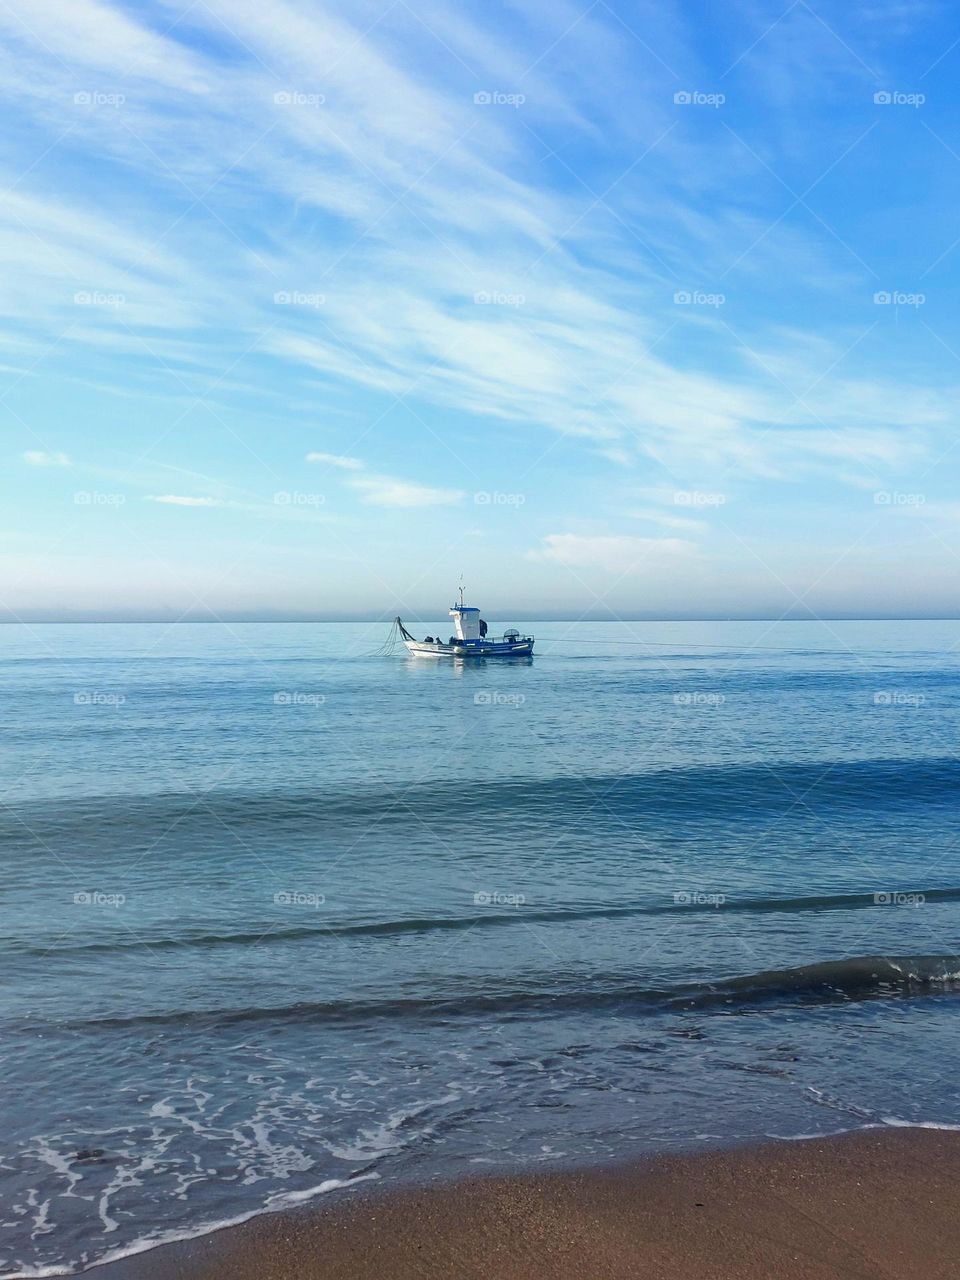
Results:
x,y
638,309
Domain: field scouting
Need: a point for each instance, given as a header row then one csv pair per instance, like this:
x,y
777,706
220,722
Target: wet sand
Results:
x,y
879,1204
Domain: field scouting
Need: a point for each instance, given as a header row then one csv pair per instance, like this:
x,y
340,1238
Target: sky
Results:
x,y
617,310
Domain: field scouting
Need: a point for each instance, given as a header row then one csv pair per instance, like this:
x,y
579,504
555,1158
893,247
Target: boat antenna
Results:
x,y
461,591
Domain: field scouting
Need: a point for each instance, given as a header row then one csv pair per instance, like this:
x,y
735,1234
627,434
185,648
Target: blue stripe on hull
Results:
x,y
470,651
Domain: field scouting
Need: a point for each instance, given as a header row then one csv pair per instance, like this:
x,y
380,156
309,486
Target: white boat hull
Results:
x,y
521,648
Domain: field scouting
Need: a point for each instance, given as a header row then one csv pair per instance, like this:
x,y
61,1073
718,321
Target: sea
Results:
x,y
288,914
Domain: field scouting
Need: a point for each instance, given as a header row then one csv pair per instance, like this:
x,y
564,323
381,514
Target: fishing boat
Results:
x,y
470,639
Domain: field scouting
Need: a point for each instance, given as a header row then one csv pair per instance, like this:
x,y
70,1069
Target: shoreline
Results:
x,y
877,1203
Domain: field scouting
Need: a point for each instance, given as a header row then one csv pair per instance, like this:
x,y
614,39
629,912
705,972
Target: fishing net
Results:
x,y
393,644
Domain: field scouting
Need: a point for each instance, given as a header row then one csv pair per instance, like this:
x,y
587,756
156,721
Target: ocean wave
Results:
x,y
684,904
824,982
701,792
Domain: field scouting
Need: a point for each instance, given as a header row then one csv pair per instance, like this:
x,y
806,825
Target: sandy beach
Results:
x,y
880,1203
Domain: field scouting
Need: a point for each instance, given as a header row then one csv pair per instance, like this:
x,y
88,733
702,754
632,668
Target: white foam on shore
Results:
x,y
290,1199
887,1122
896,1123
276,1203
287,1199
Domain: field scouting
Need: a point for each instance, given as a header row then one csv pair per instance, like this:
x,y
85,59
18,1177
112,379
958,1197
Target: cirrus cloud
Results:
x,y
180,500
388,491
41,458
336,460
615,553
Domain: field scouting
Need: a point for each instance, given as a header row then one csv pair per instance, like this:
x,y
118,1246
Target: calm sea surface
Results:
x,y
280,914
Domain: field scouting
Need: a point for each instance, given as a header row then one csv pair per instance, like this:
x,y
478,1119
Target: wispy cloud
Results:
x,y
336,460
182,500
41,458
494,294
666,521
614,554
388,491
